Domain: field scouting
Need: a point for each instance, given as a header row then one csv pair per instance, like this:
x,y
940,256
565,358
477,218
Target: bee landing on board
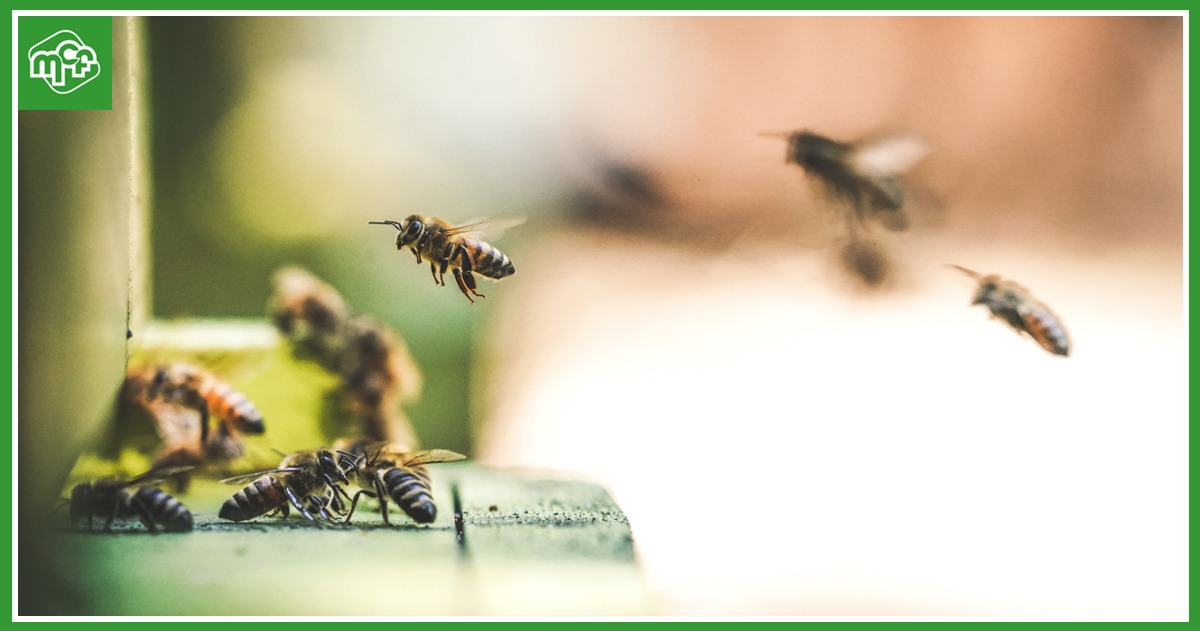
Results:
x,y
866,175
119,498
306,480
385,471
1015,306
448,247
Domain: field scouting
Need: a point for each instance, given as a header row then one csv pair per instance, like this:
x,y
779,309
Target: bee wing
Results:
x,y
249,477
155,476
434,455
489,228
889,156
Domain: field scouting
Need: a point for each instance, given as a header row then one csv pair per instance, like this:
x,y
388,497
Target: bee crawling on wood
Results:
x,y
307,480
448,247
384,471
120,498
1015,306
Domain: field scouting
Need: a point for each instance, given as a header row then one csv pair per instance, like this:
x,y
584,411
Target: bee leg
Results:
x,y
296,502
203,424
353,504
416,254
442,273
382,494
433,272
462,286
467,277
320,508
144,516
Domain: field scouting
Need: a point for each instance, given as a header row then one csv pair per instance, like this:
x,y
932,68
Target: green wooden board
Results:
x,y
550,547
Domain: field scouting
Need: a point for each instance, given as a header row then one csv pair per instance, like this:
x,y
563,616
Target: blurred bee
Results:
x,y
311,314
865,174
170,393
389,470
120,498
447,247
191,387
306,480
377,373
1015,306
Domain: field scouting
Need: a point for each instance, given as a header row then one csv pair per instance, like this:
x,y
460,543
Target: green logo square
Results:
x,y
64,62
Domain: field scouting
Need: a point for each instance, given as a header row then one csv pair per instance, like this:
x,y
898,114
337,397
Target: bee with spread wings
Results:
x,y
448,247
866,175
388,470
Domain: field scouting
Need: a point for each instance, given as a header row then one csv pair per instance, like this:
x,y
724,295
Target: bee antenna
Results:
x,y
971,273
388,223
775,134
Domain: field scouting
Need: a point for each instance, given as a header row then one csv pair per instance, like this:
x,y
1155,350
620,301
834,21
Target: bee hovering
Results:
x,y
1016,307
307,480
384,470
120,498
866,175
448,247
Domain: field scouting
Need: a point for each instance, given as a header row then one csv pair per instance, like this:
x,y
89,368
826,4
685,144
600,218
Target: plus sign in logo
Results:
x,y
64,61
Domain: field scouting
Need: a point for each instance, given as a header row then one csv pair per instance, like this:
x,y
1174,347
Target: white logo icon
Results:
x,y
64,61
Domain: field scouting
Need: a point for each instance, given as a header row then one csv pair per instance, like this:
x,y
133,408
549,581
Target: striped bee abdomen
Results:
x,y
409,488
167,511
257,498
487,260
1047,330
234,408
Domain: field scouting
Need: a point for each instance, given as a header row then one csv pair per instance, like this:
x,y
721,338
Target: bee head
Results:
x,y
349,462
410,229
985,293
330,468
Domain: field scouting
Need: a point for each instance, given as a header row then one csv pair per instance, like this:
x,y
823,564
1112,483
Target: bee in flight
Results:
x,y
448,247
306,480
120,498
866,175
389,470
1015,306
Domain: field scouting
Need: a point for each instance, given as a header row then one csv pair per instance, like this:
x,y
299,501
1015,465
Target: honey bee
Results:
x,y
1015,306
311,314
866,174
191,387
120,498
172,393
448,247
389,470
303,479
376,370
